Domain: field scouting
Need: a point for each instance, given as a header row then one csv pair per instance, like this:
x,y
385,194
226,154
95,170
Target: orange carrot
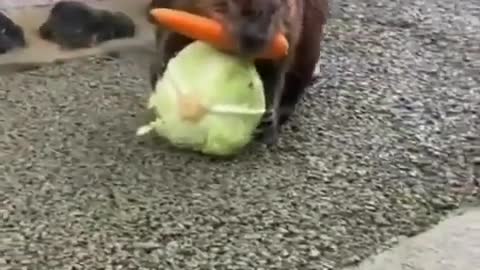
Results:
x,y
211,31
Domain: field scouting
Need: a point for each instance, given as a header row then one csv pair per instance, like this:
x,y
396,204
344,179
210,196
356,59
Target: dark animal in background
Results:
x,y
252,24
11,35
75,25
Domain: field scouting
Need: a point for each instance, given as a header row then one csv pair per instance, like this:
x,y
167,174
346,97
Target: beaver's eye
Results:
x,y
247,12
252,13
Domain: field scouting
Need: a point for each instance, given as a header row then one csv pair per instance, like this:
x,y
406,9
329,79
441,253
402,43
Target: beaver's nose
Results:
x,y
253,40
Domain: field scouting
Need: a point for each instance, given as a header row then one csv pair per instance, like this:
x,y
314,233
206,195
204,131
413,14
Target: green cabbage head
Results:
x,y
207,101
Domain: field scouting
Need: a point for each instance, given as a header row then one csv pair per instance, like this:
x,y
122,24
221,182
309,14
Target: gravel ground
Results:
x,y
383,148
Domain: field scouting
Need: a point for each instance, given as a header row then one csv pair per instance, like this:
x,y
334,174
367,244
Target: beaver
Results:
x,y
253,24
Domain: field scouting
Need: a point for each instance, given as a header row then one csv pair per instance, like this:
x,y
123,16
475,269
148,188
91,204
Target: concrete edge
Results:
x,y
453,244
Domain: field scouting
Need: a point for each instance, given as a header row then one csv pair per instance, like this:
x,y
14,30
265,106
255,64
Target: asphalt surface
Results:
x,y
384,146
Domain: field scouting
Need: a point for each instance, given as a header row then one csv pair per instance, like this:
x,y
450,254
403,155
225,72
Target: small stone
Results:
x,y
92,84
314,253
